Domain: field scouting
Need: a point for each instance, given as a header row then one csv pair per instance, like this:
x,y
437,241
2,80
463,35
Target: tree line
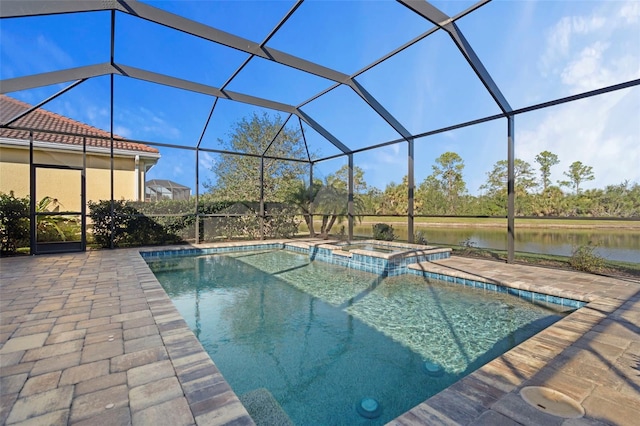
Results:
x,y
443,192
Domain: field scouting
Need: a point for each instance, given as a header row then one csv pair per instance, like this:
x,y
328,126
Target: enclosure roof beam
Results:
x,y
42,103
419,38
206,32
89,71
324,132
179,83
20,8
427,11
478,67
264,42
12,9
54,77
435,16
379,109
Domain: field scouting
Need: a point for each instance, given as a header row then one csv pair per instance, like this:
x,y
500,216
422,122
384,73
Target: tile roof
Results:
x,y
41,119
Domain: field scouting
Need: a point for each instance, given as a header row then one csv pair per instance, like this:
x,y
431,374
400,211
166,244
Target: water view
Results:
x,y
614,244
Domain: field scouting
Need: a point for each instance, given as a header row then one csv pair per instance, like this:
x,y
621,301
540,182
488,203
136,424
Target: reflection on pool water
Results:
x,y
322,338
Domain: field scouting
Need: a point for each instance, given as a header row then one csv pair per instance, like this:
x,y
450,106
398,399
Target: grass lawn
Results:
x,y
497,222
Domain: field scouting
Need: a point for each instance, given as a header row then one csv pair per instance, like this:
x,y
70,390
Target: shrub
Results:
x,y
137,223
131,228
420,237
383,231
14,223
584,258
281,222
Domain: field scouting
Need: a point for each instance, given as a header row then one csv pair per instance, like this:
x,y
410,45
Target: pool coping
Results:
x,y
486,396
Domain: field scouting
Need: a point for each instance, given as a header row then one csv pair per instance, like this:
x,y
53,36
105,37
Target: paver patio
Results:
x,y
92,339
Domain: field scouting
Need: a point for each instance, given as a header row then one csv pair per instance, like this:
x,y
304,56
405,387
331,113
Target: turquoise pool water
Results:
x,y
321,338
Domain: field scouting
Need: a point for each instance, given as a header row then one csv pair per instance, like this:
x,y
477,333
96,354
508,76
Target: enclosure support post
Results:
x,y
111,174
411,189
112,162
312,228
197,230
32,198
83,196
350,202
262,197
510,189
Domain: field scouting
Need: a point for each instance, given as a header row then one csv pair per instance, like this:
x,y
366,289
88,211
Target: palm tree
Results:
x,y
302,197
328,198
47,224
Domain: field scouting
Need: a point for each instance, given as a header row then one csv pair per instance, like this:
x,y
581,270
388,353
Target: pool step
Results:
x,y
264,409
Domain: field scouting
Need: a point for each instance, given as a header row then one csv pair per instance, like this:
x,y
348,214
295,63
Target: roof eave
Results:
x,y
21,143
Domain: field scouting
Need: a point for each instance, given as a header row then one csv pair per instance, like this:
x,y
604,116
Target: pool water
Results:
x,y
322,338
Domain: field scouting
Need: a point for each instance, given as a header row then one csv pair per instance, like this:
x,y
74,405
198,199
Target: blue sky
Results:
x,y
535,52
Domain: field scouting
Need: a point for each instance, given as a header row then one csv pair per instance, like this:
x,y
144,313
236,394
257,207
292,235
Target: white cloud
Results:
x,y
630,12
122,131
561,38
22,56
53,52
144,124
590,131
206,160
596,49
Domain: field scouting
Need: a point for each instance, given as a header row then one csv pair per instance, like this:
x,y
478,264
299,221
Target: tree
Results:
x,y
238,176
302,196
496,186
329,200
396,197
448,173
430,199
546,159
577,174
340,179
373,200
498,176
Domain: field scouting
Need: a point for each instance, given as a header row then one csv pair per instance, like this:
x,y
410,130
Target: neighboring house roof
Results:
x,y
165,184
43,120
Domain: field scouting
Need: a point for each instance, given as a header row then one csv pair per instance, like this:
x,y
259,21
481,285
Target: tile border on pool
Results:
x,y
530,296
412,264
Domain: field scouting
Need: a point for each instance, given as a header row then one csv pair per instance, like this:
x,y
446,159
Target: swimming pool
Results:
x,y
321,338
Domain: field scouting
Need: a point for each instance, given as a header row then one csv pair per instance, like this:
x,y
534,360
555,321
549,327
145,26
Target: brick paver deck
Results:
x,y
92,339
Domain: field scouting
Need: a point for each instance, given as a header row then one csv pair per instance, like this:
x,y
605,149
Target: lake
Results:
x,y
612,244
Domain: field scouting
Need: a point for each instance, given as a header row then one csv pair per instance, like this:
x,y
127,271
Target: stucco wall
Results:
x,y
65,184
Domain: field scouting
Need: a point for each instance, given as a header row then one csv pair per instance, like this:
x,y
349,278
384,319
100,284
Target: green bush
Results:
x,y
168,222
420,237
383,231
584,258
281,222
130,227
14,223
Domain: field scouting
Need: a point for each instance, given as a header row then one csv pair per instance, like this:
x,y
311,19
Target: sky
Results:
x,y
535,51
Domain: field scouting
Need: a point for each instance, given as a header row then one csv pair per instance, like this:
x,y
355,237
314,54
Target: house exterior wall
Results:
x,y
64,185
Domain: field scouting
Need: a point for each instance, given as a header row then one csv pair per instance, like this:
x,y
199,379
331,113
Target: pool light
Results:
x,y
369,408
433,369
